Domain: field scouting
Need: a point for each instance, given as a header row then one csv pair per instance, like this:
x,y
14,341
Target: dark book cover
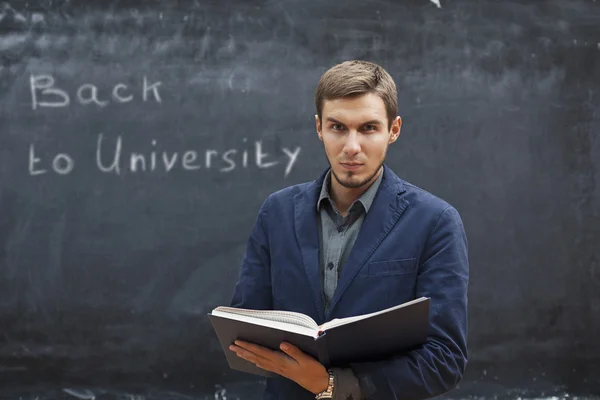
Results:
x,y
229,330
370,339
379,336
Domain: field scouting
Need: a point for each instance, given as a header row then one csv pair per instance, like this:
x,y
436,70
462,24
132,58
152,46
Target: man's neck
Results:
x,y
343,197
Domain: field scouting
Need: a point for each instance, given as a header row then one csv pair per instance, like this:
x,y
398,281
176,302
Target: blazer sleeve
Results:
x,y
253,288
438,365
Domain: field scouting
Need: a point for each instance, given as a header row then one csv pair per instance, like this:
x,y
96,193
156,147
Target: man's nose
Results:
x,y
352,145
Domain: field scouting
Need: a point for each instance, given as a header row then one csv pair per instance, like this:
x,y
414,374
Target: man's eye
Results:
x,y
337,127
370,127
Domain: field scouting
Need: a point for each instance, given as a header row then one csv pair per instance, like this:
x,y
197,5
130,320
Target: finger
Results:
x,y
257,361
259,350
271,360
277,365
248,355
293,351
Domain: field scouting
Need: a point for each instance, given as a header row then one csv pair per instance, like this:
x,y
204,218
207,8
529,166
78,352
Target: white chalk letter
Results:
x,y
209,153
116,159
169,164
228,160
260,155
45,84
32,161
154,88
93,97
59,160
188,158
153,157
292,156
118,97
135,158
245,155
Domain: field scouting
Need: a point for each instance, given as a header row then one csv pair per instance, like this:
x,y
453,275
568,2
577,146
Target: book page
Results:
x,y
343,321
270,323
288,317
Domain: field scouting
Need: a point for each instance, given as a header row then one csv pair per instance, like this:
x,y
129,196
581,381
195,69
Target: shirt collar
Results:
x,y
366,199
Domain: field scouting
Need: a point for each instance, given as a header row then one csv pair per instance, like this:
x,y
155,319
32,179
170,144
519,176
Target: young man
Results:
x,y
357,240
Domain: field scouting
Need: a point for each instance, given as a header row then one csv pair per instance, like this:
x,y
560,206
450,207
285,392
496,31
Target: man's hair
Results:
x,y
354,78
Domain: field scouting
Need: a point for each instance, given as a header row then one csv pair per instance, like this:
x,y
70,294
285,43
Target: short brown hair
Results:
x,y
356,77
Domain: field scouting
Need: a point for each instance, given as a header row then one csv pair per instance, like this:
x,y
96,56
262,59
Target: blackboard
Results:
x,y
138,140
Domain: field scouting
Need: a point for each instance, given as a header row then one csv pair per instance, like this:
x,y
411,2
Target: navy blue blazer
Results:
x,y
411,244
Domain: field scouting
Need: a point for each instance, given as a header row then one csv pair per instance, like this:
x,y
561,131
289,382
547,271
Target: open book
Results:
x,y
336,342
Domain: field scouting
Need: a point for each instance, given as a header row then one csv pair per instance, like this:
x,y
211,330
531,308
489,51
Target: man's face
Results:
x,y
355,134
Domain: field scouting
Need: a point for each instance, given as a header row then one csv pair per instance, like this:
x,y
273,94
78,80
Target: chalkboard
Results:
x,y
139,138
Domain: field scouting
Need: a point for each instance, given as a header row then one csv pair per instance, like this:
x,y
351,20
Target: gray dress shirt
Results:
x,y
337,235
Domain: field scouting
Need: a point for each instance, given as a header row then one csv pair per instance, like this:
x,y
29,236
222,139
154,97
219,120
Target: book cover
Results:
x,y
368,337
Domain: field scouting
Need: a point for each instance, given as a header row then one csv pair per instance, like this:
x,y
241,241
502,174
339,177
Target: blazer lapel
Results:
x,y
383,214
307,235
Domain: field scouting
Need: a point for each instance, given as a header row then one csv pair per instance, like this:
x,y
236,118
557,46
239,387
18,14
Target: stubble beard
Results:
x,y
348,183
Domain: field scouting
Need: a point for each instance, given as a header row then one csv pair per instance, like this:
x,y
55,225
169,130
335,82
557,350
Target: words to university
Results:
x,y
111,158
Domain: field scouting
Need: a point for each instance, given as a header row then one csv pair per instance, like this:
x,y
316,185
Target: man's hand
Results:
x,y
292,364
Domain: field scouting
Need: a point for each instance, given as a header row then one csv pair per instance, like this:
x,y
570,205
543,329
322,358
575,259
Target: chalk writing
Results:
x,y
61,163
190,160
45,93
80,394
220,393
9,13
110,158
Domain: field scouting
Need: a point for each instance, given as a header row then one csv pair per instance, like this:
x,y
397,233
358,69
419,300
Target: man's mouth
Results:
x,y
351,166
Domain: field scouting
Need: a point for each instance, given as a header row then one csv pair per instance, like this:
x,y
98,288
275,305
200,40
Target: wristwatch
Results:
x,y
327,393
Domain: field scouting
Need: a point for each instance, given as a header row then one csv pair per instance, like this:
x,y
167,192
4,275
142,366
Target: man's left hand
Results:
x,y
292,364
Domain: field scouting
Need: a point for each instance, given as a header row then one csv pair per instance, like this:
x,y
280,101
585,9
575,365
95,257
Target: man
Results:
x,y
357,240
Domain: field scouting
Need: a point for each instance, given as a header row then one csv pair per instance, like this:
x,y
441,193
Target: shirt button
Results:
x,y
330,266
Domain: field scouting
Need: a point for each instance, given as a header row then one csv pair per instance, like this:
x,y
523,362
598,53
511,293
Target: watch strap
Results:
x,y
327,394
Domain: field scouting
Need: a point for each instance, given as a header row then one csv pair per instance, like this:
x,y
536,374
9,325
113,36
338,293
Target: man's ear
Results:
x,y
318,126
395,131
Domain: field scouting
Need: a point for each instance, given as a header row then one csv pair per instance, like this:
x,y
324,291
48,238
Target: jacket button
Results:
x,y
330,266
